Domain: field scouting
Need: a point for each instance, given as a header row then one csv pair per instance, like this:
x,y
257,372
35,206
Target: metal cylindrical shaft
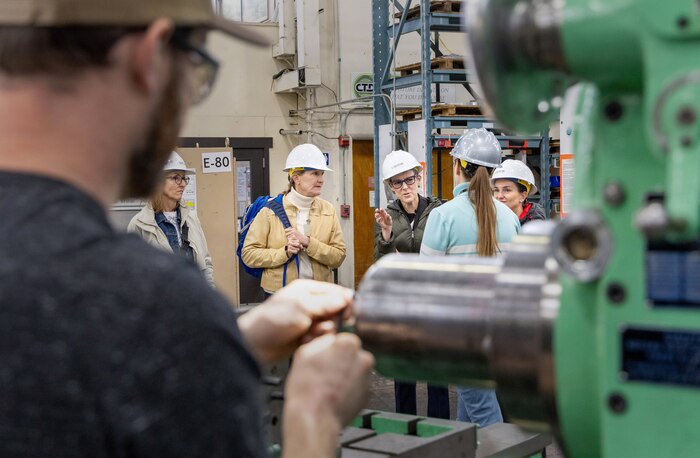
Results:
x,y
482,322
426,318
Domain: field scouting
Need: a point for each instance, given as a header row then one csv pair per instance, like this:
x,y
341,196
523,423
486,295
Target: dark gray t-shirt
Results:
x,y
108,346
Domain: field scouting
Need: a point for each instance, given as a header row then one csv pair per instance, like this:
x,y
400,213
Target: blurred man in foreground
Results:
x,y
109,347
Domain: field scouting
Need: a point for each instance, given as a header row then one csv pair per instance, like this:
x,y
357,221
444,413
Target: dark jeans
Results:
x,y
438,400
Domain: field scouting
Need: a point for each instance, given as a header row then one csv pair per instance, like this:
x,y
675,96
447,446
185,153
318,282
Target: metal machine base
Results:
x,y
376,434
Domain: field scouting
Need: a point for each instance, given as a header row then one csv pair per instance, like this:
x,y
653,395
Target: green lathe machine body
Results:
x,y
589,326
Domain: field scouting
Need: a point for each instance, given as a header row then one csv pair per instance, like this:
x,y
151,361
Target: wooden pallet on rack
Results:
x,y
451,62
436,6
441,109
554,146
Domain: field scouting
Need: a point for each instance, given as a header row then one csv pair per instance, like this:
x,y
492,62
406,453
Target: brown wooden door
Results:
x,y
363,213
442,173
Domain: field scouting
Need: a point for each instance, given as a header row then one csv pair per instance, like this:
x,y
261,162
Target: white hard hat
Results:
x,y
516,171
175,162
478,146
306,156
398,162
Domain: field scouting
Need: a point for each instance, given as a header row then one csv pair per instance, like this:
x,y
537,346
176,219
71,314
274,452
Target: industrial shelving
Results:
x,y
429,20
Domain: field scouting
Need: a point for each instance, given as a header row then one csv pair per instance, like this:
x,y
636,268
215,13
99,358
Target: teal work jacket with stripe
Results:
x,y
452,227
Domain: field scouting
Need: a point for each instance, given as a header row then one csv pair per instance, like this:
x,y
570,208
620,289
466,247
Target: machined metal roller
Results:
x,y
483,322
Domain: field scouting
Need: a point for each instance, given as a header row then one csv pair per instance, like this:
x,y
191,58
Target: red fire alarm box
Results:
x,y
345,211
343,141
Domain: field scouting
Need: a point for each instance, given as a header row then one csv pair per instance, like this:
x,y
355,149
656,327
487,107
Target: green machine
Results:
x,y
591,326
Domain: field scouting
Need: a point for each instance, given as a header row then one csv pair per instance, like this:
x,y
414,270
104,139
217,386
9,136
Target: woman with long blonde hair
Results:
x,y
472,224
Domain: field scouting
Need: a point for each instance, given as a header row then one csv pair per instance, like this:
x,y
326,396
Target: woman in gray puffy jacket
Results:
x,y
400,229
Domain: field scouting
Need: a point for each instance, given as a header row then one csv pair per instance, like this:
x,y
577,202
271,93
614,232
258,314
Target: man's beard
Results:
x,y
146,162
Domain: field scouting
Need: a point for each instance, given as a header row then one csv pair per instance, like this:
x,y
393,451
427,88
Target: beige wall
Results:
x,y
243,104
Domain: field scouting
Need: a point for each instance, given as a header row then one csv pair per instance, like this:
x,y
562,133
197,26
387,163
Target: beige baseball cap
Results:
x,y
197,13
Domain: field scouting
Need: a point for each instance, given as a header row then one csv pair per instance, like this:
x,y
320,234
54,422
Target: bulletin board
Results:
x,y
216,209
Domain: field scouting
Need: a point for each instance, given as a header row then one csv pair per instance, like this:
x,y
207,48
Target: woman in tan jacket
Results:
x,y
314,237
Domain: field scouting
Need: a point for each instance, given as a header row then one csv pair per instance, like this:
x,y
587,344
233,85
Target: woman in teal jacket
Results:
x,y
472,224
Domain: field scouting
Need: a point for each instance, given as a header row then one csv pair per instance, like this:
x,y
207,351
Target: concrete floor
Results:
x,y
382,398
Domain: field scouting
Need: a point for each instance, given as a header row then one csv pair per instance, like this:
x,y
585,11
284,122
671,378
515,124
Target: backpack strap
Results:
x,y
284,274
246,227
277,207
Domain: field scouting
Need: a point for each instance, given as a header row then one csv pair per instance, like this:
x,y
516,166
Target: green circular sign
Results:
x,y
363,86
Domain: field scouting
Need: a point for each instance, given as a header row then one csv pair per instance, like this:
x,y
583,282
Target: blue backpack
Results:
x,y
275,204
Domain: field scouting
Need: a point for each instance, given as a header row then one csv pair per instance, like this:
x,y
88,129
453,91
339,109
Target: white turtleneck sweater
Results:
x,y
303,204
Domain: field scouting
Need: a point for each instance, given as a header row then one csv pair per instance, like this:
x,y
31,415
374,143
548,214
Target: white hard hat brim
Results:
x,y
418,168
533,187
179,169
325,169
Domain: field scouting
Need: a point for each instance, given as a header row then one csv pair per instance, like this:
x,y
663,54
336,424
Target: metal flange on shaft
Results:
x,y
483,322
521,328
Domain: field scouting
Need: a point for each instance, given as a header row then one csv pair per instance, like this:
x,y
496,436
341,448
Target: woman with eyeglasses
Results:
x,y
167,224
473,224
400,229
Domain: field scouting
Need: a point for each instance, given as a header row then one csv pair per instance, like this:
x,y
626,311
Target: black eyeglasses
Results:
x,y
398,184
180,179
205,66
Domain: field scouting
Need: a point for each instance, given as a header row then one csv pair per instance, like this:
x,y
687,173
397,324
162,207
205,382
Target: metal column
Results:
x,y
380,47
427,86
545,163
